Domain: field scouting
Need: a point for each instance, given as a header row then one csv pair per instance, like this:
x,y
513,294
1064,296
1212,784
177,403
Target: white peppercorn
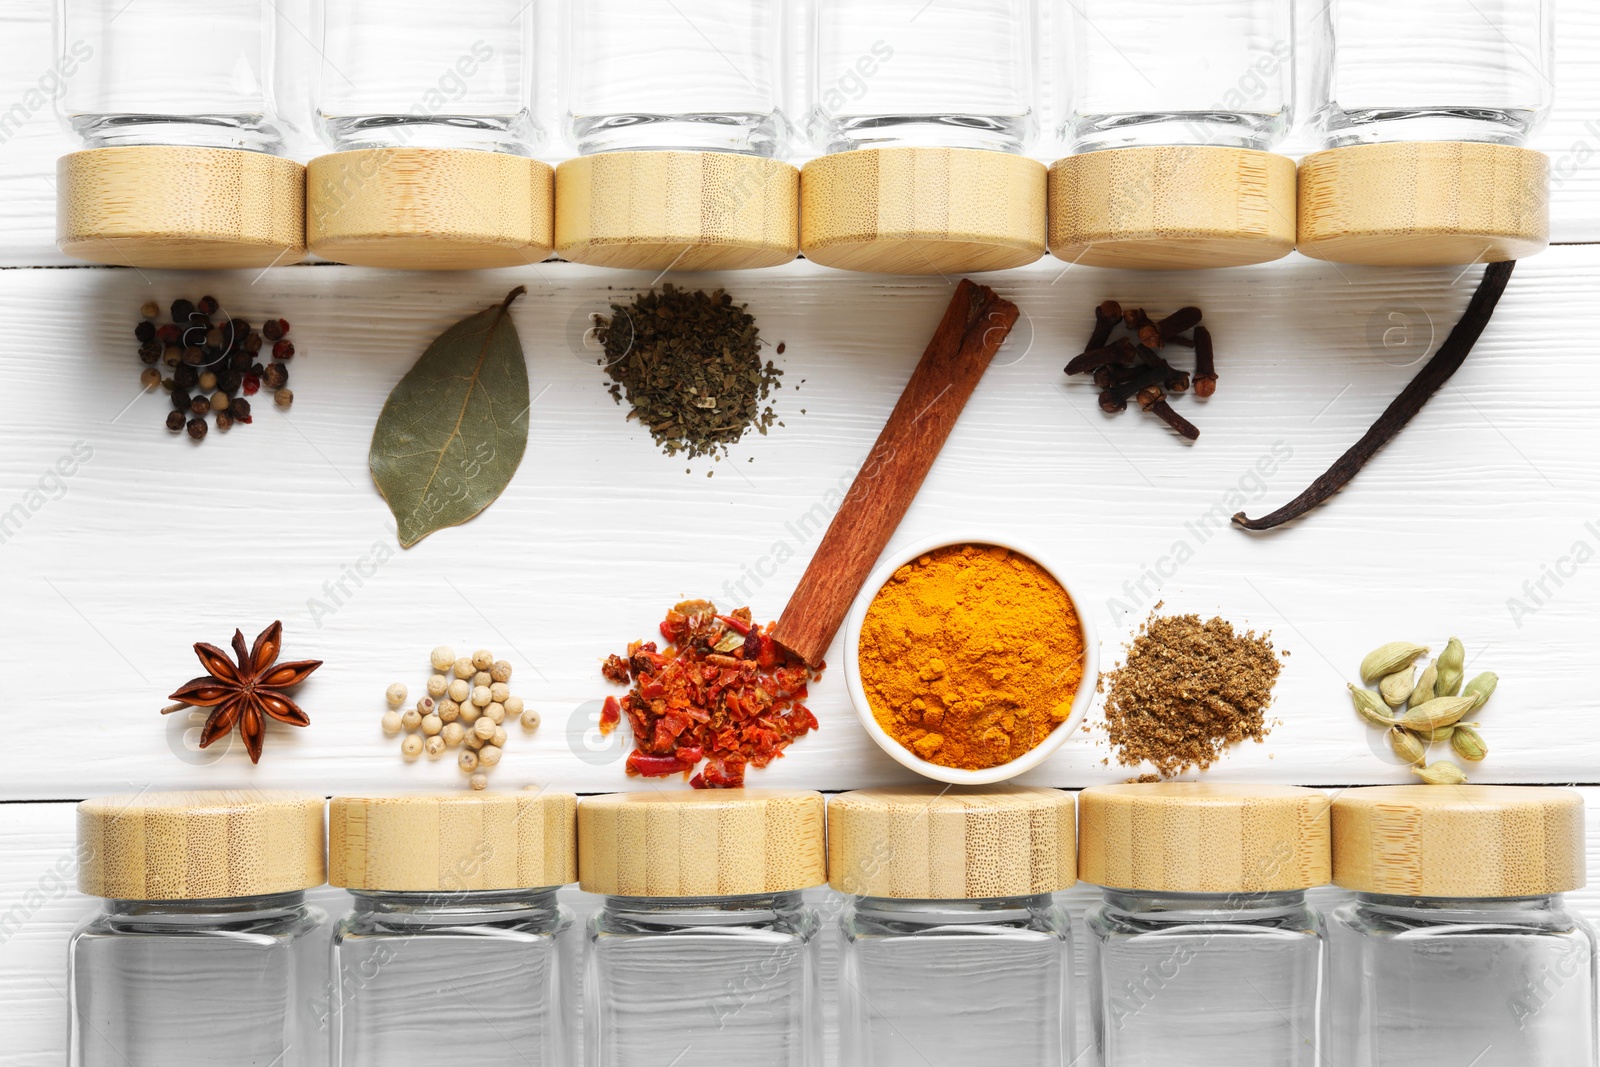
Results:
x,y
500,671
484,728
452,733
442,657
448,711
411,719
468,760
513,706
391,722
488,756
482,678
464,668
432,724
434,747
396,694
473,741
496,713
469,712
459,691
530,720
480,696
499,738
411,747
500,692
479,781
437,684
425,705
483,659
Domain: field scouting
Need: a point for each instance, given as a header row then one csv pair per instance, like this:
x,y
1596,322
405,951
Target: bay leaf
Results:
x,y
454,429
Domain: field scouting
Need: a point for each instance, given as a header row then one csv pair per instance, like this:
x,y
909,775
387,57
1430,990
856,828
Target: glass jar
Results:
x,y
182,166
1459,946
704,944
205,951
455,922
676,113
428,109
923,111
1171,113
954,952
1203,948
1425,160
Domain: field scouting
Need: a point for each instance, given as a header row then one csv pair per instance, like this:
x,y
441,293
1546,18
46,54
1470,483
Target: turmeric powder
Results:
x,y
971,655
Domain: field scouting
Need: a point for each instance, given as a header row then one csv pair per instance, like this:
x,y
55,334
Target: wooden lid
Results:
x,y
1199,837
932,842
677,210
453,842
1458,840
200,845
1175,207
1424,204
922,210
701,842
186,208
429,208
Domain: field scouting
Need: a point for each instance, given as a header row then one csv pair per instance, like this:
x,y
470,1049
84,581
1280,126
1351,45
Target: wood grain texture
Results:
x,y
922,210
183,208
429,208
1203,837
1424,204
689,211
701,843
1459,841
1172,207
974,325
200,845
933,842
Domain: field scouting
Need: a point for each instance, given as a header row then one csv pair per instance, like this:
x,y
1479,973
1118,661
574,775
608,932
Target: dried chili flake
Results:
x,y
722,691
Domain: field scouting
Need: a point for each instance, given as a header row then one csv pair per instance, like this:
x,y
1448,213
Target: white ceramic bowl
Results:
x,y
858,696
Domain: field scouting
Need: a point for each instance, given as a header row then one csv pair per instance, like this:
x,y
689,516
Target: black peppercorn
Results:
x,y
151,351
229,381
197,429
258,370
194,337
224,421
200,406
185,376
252,343
145,331
277,376
180,398
274,329
241,329
239,361
240,407
181,310
207,305
283,350
175,421
194,356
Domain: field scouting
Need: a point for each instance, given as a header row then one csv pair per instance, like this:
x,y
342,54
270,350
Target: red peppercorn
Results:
x,y
169,334
207,305
251,384
283,350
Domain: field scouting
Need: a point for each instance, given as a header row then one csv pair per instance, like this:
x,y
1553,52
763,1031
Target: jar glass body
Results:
x,y
197,983
947,983
1490,982
1484,75
164,72
705,76
1224,979
735,979
481,977
1144,73
907,73
414,73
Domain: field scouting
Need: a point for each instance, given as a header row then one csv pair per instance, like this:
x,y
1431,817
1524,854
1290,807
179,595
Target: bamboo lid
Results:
x,y
429,208
932,842
186,208
1458,841
1174,207
453,842
1424,204
922,210
200,845
701,843
1200,837
663,210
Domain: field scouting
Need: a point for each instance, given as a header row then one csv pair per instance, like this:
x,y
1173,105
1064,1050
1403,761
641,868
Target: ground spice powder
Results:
x,y
1187,690
971,655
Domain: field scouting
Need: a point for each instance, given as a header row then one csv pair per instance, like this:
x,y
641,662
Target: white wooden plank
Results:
x,y
154,543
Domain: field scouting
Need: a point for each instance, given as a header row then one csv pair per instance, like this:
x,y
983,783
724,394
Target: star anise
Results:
x,y
249,693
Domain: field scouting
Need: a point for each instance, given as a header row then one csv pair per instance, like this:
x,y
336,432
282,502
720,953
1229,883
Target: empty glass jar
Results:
x,y
676,111
954,951
1171,112
1203,950
181,130
205,951
1425,160
428,109
923,110
703,949
457,947
1459,947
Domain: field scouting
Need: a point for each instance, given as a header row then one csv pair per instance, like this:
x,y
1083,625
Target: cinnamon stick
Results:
x,y
973,327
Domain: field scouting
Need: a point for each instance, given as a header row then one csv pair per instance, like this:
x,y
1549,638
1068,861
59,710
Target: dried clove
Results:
x,y
1205,364
1176,381
1154,401
1115,398
1121,352
1106,316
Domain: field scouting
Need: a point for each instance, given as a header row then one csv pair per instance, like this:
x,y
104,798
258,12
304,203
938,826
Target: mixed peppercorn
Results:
x,y
216,363
722,691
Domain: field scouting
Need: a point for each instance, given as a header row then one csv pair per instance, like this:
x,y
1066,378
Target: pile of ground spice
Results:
x,y
970,656
1187,690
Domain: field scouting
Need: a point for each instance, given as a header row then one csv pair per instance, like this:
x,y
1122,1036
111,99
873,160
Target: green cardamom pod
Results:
x,y
1407,745
1424,690
1440,711
1397,687
1370,706
1385,660
1451,663
1437,735
1481,688
1468,743
1441,772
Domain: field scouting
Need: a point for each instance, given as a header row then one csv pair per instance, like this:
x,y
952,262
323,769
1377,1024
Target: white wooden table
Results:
x,y
152,544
